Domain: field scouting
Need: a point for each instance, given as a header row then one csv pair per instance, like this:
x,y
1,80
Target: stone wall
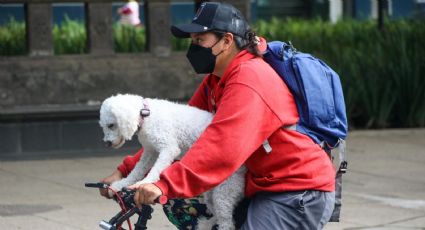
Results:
x,y
81,79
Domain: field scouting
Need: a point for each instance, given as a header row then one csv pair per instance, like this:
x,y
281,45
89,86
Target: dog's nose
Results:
x,y
108,143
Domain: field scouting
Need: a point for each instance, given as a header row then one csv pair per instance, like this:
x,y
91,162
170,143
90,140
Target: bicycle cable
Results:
x,y
122,205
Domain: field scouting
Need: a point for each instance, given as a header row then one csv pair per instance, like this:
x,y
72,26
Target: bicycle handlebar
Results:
x,y
159,200
127,198
96,185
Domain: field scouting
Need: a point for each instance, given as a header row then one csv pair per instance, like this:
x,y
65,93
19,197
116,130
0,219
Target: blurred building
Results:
x,y
182,11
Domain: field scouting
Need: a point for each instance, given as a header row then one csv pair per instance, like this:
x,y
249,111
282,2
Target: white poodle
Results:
x,y
166,130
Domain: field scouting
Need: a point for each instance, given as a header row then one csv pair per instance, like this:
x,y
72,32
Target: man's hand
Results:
x,y
145,194
115,176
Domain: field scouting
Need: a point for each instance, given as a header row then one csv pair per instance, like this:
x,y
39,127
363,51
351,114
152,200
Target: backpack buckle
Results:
x,y
343,167
292,47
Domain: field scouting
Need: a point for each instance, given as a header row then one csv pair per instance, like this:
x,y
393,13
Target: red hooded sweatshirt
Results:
x,y
251,104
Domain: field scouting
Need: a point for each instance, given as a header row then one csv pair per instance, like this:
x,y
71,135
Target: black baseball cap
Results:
x,y
214,16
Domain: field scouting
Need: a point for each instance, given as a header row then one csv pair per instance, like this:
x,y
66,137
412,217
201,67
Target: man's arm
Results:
x,y
242,123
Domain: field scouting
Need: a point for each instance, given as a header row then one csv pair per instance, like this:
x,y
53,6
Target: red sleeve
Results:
x,y
224,146
129,162
199,98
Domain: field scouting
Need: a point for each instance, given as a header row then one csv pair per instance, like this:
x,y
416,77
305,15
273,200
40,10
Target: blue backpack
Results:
x,y
317,91
320,102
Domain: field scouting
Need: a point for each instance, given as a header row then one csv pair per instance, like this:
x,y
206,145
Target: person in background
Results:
x,y
130,13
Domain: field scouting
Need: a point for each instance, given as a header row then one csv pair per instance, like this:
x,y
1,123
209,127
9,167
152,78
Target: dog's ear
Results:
x,y
127,118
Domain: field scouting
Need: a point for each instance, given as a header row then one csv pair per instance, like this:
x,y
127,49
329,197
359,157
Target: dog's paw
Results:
x,y
206,223
110,193
118,185
115,186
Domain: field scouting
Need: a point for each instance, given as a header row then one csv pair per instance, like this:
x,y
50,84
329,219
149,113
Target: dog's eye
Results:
x,y
111,126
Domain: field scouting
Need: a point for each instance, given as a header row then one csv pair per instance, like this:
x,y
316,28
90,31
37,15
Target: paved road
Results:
x,y
384,188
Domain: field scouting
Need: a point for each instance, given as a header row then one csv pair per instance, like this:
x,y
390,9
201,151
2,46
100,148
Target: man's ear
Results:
x,y
228,40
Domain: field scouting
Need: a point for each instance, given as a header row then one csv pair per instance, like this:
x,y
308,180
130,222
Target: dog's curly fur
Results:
x,y
166,135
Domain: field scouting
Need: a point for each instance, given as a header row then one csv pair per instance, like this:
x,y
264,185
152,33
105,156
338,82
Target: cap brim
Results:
x,y
184,30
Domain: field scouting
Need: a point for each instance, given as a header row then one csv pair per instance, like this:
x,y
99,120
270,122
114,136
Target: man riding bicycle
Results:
x,y
291,187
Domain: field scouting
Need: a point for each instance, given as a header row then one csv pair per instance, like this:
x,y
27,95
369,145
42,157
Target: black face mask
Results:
x,y
201,58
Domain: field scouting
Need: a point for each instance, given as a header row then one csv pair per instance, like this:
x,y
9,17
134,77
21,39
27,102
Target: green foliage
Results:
x,y
180,44
69,37
12,38
381,71
129,39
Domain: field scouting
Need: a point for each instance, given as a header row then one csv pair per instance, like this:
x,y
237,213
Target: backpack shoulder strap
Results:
x,y
342,168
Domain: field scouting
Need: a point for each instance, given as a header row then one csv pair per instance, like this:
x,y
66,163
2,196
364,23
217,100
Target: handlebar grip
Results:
x,y
96,185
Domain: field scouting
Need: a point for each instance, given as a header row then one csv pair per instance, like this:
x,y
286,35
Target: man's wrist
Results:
x,y
162,186
118,173
123,170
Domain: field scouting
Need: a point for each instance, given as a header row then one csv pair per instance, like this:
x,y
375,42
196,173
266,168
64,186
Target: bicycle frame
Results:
x,y
120,218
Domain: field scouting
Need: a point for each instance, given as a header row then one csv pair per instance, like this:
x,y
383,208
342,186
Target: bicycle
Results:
x,y
125,198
